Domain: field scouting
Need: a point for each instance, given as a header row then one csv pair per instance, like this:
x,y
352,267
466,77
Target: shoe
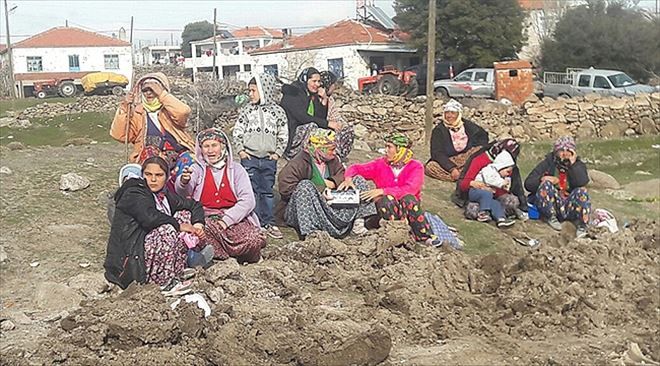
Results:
x,y
521,215
176,288
358,227
483,216
434,241
581,231
505,222
188,273
274,232
554,223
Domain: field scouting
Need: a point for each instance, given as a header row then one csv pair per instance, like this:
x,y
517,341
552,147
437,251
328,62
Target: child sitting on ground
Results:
x,y
492,181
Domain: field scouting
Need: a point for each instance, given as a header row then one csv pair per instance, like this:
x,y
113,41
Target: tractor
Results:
x,y
390,81
62,87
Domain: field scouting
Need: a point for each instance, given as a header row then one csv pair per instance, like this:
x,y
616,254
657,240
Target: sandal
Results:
x,y
176,288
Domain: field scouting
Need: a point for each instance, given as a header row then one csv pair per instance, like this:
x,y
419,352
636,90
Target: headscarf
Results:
x,y
510,145
327,79
453,106
319,143
306,74
213,134
155,104
564,143
403,152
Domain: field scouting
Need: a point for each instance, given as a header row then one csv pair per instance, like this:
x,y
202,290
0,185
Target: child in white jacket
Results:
x,y
496,179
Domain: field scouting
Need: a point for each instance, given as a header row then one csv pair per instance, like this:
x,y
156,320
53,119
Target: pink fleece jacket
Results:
x,y
409,181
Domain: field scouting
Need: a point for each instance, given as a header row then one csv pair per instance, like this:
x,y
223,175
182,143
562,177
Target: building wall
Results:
x,y
355,62
90,59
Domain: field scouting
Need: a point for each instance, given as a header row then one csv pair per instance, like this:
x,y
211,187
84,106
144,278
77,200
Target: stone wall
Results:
x,y
589,116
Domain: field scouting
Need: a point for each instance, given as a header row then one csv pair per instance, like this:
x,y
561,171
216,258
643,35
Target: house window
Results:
x,y
111,62
74,63
336,66
34,64
271,69
247,67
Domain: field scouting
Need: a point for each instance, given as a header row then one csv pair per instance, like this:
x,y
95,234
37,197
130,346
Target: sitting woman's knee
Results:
x,y
305,184
409,199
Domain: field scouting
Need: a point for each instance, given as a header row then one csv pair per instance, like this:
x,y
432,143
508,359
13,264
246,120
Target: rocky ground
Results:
x,y
380,299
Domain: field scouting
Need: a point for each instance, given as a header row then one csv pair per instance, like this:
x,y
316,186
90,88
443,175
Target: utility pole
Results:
x,y
12,82
215,43
430,72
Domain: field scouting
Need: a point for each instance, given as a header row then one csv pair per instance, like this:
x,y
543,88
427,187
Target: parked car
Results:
x,y
469,83
443,70
575,82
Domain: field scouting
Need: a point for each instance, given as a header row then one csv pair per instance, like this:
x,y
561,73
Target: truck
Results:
x,y
478,83
576,82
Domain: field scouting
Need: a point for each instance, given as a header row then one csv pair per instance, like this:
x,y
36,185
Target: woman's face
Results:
x,y
451,116
331,89
155,177
148,93
564,154
390,150
313,83
212,151
253,93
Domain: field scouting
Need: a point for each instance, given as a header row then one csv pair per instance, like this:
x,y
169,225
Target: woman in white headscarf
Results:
x,y
453,141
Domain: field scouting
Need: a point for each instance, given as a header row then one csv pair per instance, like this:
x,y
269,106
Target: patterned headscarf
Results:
x,y
327,79
403,152
453,106
217,135
564,143
306,74
320,142
510,145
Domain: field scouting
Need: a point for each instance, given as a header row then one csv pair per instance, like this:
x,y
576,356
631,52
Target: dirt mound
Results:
x,y
357,301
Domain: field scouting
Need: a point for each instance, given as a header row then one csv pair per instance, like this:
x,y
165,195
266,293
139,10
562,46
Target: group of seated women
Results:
x,y
177,206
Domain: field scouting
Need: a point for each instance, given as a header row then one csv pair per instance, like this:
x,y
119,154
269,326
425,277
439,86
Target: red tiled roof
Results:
x,y
69,37
42,76
251,32
532,4
343,33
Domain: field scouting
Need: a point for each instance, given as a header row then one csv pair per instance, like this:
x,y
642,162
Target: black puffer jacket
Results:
x,y
295,100
577,174
135,216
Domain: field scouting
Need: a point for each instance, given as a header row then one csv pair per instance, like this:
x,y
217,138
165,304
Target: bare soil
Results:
x,y
373,300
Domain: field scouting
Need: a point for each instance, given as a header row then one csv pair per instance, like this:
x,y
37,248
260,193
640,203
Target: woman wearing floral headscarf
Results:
x,y
223,188
303,103
399,179
557,187
303,182
452,142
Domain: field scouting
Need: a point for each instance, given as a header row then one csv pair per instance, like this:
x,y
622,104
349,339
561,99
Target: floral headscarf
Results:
x,y
564,143
510,145
453,106
320,143
403,152
217,135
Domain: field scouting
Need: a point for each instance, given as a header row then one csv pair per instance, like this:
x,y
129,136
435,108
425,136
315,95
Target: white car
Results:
x,y
469,83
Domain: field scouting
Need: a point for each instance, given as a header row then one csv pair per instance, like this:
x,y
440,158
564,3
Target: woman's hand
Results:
x,y
185,176
371,195
199,231
481,185
455,174
335,126
274,157
155,87
551,179
222,224
330,184
186,228
243,155
346,184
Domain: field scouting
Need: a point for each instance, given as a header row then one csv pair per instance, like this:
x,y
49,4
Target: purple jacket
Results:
x,y
239,182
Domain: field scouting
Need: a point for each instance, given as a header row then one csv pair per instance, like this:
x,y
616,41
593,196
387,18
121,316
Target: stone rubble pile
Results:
x,y
84,104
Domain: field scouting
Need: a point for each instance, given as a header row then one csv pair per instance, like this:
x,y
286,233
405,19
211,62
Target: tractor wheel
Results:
x,y
67,89
412,89
117,90
41,95
388,85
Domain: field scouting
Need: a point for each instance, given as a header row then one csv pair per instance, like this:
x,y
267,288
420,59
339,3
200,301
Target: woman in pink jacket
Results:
x,y
399,179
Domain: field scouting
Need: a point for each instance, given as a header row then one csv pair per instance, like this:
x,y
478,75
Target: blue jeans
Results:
x,y
262,176
487,202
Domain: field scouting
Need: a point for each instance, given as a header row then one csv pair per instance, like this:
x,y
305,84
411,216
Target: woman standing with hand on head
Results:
x,y
145,244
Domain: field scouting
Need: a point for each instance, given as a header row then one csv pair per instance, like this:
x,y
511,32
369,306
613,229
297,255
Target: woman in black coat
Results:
x,y
453,142
148,230
557,187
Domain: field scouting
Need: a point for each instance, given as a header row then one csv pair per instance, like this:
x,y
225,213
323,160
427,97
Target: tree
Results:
x,y
475,32
607,35
194,32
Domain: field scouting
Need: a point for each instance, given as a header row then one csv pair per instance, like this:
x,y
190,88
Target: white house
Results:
x,y
541,17
233,48
67,53
164,55
349,48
